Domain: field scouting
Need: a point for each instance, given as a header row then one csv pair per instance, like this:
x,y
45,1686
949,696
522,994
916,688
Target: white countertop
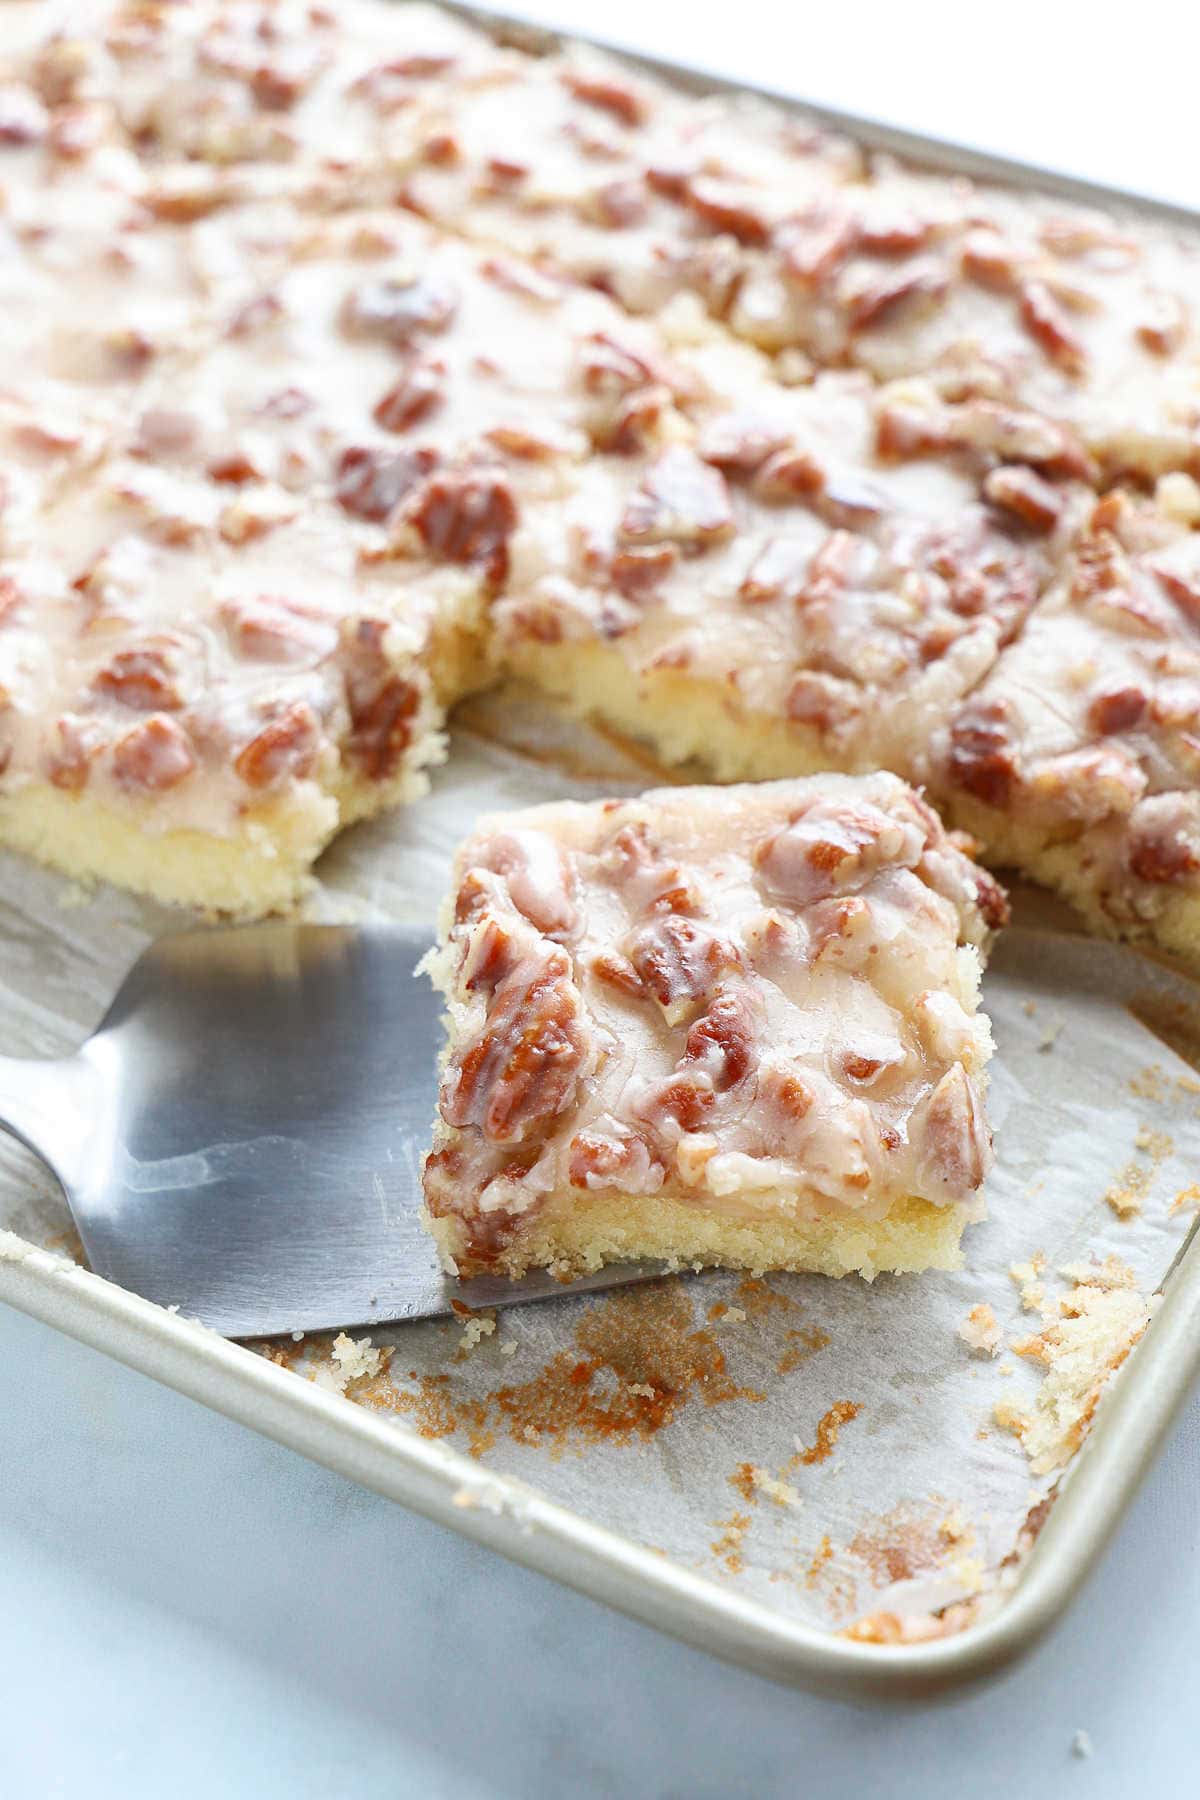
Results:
x,y
187,1609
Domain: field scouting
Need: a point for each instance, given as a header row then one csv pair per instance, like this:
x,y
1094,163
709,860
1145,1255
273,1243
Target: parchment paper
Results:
x,y
832,1448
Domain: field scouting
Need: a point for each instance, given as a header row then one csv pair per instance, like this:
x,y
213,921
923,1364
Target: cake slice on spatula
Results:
x,y
729,1025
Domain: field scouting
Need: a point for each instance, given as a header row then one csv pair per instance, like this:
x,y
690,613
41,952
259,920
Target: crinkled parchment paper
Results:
x,y
851,1454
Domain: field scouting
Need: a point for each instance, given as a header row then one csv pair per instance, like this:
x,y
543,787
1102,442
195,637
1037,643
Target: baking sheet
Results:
x,y
836,1452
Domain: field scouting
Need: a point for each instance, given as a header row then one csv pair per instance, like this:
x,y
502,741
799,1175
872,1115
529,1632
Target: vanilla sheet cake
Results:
x,y
813,249
716,1025
753,588
236,356
1078,758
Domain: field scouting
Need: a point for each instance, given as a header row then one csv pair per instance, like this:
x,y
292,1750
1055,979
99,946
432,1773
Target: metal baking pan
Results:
x,y
565,1521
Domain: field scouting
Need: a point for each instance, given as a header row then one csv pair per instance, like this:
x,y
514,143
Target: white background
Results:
x,y
187,1610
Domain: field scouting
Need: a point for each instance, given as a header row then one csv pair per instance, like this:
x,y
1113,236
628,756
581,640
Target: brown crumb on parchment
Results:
x,y
727,1548
799,1345
636,1360
829,1428
750,1480
1187,1199
758,1300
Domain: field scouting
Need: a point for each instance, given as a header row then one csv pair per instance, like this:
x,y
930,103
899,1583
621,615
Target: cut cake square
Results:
x,y
714,1025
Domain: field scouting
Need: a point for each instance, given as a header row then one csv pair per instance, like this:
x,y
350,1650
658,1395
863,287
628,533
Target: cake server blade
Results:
x,y
241,1137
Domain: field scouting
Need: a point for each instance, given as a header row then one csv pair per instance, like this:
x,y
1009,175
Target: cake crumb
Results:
x,y
509,1347
1111,1273
350,1359
1097,1329
980,1331
1187,1199
477,1327
1081,1745
1027,1276
1029,1008
1051,1035
955,1529
1149,1083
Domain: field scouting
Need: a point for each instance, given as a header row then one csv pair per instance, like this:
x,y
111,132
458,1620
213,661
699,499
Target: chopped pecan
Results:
x,y
524,1066
145,680
370,483
686,1097
726,207
636,422
991,260
523,278
490,955
285,749
613,369
620,204
1116,709
903,430
1019,490
467,515
255,314
738,443
778,571
528,444
287,403
400,312
269,628
156,754
956,1141
1183,588
1164,328
826,849
613,1159
606,89
638,571
617,972
814,245
1164,839
831,569
899,232
721,1040
383,704
876,303
791,474
820,701
678,960
981,759
78,743
681,500
537,875
419,392
506,171
1046,322
846,500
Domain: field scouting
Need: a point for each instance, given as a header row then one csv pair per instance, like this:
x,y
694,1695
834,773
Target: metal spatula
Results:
x,y
242,1135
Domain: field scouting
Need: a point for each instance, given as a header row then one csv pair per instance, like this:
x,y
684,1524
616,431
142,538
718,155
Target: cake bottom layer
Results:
x,y
1163,916
681,718
263,866
597,1229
